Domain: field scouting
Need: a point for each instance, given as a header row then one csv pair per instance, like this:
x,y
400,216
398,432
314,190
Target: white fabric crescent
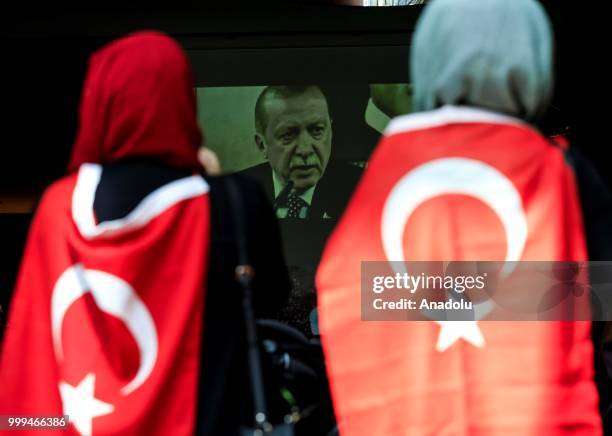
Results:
x,y
454,176
114,296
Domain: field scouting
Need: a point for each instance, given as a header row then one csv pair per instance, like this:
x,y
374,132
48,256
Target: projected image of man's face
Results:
x,y
296,137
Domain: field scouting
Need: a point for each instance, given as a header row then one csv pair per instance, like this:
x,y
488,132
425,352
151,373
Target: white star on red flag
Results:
x,y
81,405
452,331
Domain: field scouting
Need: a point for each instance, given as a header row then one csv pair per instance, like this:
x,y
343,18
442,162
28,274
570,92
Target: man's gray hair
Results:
x,y
281,91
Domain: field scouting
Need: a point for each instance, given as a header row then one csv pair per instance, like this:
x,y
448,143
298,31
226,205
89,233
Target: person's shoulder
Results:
x,y
262,174
59,193
55,203
339,170
335,188
256,172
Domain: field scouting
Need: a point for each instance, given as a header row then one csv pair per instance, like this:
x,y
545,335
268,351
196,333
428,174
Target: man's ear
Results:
x,y
261,144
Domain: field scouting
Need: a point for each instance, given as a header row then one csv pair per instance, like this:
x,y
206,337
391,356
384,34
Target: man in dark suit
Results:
x,y
294,132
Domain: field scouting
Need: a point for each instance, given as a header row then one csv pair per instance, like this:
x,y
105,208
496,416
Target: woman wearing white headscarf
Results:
x,y
466,177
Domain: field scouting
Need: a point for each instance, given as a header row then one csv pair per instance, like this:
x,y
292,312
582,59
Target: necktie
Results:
x,y
295,204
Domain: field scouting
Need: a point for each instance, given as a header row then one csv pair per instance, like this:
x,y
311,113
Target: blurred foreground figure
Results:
x,y
129,267
465,178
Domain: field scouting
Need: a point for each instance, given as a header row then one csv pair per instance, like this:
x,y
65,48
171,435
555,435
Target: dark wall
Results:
x,y
583,79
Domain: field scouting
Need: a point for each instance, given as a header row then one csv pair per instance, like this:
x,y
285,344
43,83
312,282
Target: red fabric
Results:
x,y
95,342
123,357
561,141
138,101
387,378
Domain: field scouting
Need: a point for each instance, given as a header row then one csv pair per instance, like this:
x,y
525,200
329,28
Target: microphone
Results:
x,y
283,196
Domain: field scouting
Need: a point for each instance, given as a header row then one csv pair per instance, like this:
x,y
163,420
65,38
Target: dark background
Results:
x,y
44,53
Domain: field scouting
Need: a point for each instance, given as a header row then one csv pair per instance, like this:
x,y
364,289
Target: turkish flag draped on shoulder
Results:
x,y
105,322
483,187
102,327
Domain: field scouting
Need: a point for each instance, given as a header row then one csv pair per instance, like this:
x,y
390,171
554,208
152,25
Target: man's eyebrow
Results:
x,y
284,126
292,124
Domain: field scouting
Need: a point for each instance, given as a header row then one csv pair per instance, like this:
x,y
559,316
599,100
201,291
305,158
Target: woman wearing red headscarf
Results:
x,y
129,266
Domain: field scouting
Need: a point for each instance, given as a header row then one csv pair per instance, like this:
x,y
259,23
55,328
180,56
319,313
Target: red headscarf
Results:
x,y
138,101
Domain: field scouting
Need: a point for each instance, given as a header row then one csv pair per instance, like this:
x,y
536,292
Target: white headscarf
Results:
x,y
492,54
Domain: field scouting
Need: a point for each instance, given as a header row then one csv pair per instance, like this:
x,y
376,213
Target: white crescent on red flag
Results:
x,y
457,184
105,322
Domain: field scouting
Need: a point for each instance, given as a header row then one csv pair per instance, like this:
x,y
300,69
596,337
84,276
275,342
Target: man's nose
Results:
x,y
304,146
